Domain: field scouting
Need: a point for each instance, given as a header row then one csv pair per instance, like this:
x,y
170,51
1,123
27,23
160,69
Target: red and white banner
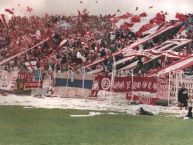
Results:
x,y
125,84
132,52
145,90
152,53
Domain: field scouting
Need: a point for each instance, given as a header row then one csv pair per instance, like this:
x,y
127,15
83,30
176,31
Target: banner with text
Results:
x,y
29,80
125,84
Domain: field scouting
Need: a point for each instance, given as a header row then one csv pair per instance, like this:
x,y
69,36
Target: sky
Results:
x,y
40,7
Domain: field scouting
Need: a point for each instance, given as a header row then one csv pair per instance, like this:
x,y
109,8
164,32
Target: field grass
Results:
x,y
19,126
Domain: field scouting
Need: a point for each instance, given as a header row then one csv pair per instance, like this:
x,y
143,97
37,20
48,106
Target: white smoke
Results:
x,y
40,7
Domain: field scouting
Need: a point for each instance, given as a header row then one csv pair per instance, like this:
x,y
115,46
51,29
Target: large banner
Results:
x,y
29,80
73,79
145,90
125,84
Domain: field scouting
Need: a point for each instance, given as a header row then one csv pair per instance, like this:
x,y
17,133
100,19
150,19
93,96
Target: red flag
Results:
x,y
125,16
144,28
143,14
126,25
129,14
181,17
9,11
160,17
135,19
4,20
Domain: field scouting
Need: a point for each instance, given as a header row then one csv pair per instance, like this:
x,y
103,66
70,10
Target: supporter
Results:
x,y
183,97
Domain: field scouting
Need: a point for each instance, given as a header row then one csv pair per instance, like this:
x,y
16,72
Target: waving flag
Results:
x,y
29,9
5,19
79,55
9,11
135,19
181,17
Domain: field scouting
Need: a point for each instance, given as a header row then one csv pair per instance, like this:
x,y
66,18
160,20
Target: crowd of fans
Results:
x,y
92,37
88,38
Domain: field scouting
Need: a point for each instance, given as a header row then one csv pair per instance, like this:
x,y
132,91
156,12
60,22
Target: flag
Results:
x,y
135,19
79,55
144,28
181,17
143,14
159,18
62,42
152,29
31,65
5,19
38,34
126,25
125,16
29,9
9,11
